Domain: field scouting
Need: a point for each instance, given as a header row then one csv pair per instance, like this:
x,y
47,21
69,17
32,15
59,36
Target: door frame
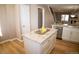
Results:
x,y
43,15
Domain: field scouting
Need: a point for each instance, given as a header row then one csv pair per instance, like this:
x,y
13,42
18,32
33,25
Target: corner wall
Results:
x,y
49,20
8,22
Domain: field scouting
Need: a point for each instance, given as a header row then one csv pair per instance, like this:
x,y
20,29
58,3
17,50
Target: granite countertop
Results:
x,y
37,37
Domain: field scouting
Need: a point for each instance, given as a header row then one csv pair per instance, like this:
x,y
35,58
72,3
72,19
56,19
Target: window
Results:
x,y
64,17
72,16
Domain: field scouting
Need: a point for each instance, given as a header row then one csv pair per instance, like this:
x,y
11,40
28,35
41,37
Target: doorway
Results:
x,y
40,15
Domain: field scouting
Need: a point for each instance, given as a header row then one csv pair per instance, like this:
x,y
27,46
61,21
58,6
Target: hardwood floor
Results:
x,y
17,47
12,47
65,47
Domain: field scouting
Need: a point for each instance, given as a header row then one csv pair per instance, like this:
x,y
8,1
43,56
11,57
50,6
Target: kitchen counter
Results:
x,y
35,43
37,37
64,25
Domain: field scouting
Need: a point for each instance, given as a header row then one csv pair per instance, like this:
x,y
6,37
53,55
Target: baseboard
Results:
x,y
20,40
10,40
71,41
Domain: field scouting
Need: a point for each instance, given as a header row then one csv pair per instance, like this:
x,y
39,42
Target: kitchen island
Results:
x,y
40,43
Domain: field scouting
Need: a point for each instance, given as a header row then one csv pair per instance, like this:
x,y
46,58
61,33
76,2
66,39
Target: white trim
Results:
x,y
20,40
11,40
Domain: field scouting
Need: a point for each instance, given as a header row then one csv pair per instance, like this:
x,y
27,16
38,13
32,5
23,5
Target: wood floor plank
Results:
x,y
1,48
19,43
12,49
17,47
65,47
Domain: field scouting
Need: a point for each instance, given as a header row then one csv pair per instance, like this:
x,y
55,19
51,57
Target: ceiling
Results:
x,y
67,8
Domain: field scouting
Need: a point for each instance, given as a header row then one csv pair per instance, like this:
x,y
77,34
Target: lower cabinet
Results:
x,y
66,34
70,34
75,36
49,44
45,47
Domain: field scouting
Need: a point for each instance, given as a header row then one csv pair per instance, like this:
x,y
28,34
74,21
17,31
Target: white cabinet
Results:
x,y
66,34
75,36
49,44
70,34
40,44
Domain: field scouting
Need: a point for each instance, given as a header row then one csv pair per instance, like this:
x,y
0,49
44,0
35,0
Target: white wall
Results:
x,y
7,21
15,19
34,17
28,18
18,23
48,16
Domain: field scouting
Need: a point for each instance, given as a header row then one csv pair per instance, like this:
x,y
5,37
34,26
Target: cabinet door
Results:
x,y
48,45
31,47
66,35
75,36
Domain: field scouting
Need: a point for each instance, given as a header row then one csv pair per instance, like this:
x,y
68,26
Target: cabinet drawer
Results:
x,y
49,44
46,48
47,41
45,44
